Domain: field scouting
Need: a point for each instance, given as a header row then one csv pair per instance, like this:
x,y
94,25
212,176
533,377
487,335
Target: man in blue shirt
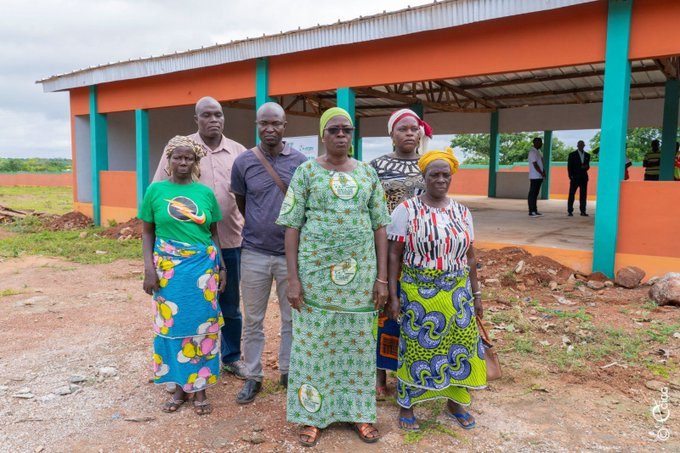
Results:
x,y
259,197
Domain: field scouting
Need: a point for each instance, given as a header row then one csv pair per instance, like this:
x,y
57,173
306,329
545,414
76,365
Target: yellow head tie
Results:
x,y
445,155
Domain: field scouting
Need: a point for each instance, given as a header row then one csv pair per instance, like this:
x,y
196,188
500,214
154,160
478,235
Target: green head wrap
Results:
x,y
331,113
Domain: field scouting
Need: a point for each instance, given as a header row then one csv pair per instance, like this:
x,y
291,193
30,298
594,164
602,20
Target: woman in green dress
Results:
x,y
336,251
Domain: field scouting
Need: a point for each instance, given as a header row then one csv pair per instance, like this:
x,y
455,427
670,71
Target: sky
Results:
x,y
42,38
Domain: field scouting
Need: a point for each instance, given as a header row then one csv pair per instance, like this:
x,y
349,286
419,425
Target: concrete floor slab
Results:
x,y
499,220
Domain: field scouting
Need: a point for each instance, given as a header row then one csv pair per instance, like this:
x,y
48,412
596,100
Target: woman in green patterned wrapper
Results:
x,y
336,251
431,255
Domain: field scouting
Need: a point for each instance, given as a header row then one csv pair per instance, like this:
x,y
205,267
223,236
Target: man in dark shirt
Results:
x,y
652,162
578,165
259,198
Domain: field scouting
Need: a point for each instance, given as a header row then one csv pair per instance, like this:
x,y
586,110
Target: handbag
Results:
x,y
277,180
493,365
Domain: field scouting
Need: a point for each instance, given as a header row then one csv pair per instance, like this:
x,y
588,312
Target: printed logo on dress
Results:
x,y
344,272
344,186
185,210
310,398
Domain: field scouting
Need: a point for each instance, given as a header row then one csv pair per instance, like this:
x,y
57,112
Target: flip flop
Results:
x,y
364,429
411,421
311,432
465,417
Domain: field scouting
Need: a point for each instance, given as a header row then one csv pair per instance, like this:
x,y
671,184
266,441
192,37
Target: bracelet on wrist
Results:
x,y
381,281
477,293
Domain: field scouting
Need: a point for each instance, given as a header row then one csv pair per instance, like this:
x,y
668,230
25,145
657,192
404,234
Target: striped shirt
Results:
x,y
435,238
652,161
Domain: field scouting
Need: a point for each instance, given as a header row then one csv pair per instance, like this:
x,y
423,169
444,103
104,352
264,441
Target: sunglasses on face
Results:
x,y
335,130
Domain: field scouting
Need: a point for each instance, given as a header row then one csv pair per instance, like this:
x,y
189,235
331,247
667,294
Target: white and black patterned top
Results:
x,y
435,238
401,179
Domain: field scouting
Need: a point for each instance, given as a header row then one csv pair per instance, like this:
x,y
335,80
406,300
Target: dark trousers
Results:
x,y
534,189
230,305
651,177
582,186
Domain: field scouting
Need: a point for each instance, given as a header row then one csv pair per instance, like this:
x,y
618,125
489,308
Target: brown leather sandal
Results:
x,y
312,435
364,430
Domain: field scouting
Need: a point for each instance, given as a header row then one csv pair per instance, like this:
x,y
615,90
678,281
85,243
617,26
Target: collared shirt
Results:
x,y
216,174
581,154
535,156
263,197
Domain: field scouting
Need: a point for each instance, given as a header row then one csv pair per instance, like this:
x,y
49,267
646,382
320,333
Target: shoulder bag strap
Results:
x,y
270,170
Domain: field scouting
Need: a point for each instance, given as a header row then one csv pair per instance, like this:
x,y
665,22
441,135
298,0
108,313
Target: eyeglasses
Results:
x,y
335,130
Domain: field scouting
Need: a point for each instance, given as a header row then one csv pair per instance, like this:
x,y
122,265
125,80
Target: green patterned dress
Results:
x,y
332,364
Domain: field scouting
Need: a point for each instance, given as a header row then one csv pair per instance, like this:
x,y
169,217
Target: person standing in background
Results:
x,y
652,161
578,165
536,175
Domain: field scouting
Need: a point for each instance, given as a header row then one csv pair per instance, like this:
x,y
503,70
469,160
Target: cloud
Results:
x,y
45,37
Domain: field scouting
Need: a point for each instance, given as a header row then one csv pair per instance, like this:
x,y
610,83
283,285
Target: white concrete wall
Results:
x,y
83,158
121,141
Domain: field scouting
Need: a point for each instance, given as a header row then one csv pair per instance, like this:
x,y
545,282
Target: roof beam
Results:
x,y
572,91
669,67
464,93
535,79
414,99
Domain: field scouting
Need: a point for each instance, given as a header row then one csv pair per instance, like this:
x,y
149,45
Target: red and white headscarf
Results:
x,y
425,129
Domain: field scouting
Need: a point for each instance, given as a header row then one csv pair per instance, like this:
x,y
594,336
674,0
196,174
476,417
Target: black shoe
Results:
x,y
283,380
248,392
538,214
570,214
583,214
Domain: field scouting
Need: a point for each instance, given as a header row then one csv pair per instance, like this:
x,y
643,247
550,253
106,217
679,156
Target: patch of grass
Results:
x,y
69,245
523,345
28,224
53,200
661,332
650,305
271,387
9,292
665,371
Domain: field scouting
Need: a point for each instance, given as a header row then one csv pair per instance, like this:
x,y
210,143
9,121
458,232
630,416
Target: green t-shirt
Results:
x,y
181,212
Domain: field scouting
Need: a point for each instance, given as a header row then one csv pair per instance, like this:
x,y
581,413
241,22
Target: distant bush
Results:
x,y
34,165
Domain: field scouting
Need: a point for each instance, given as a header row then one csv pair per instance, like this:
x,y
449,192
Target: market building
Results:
x,y
482,66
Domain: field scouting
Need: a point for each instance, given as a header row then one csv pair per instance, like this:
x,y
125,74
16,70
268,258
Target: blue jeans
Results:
x,y
230,305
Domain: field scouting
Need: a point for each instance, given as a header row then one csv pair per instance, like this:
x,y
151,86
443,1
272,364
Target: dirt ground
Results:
x,y
75,370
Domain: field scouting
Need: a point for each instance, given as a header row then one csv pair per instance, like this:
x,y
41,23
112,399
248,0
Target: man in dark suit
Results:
x,y
578,165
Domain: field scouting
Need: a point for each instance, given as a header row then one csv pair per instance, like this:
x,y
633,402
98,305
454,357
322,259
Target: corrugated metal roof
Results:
x,y
582,84
438,15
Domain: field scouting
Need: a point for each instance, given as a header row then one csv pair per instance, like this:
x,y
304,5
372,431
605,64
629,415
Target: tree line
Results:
x,y
514,147
34,165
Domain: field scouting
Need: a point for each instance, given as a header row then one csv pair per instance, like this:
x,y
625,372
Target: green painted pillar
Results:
x,y
670,129
346,99
547,159
494,151
613,135
418,109
100,154
261,86
142,150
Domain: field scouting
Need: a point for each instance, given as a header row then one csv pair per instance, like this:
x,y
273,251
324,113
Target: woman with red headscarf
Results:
x,y
401,178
